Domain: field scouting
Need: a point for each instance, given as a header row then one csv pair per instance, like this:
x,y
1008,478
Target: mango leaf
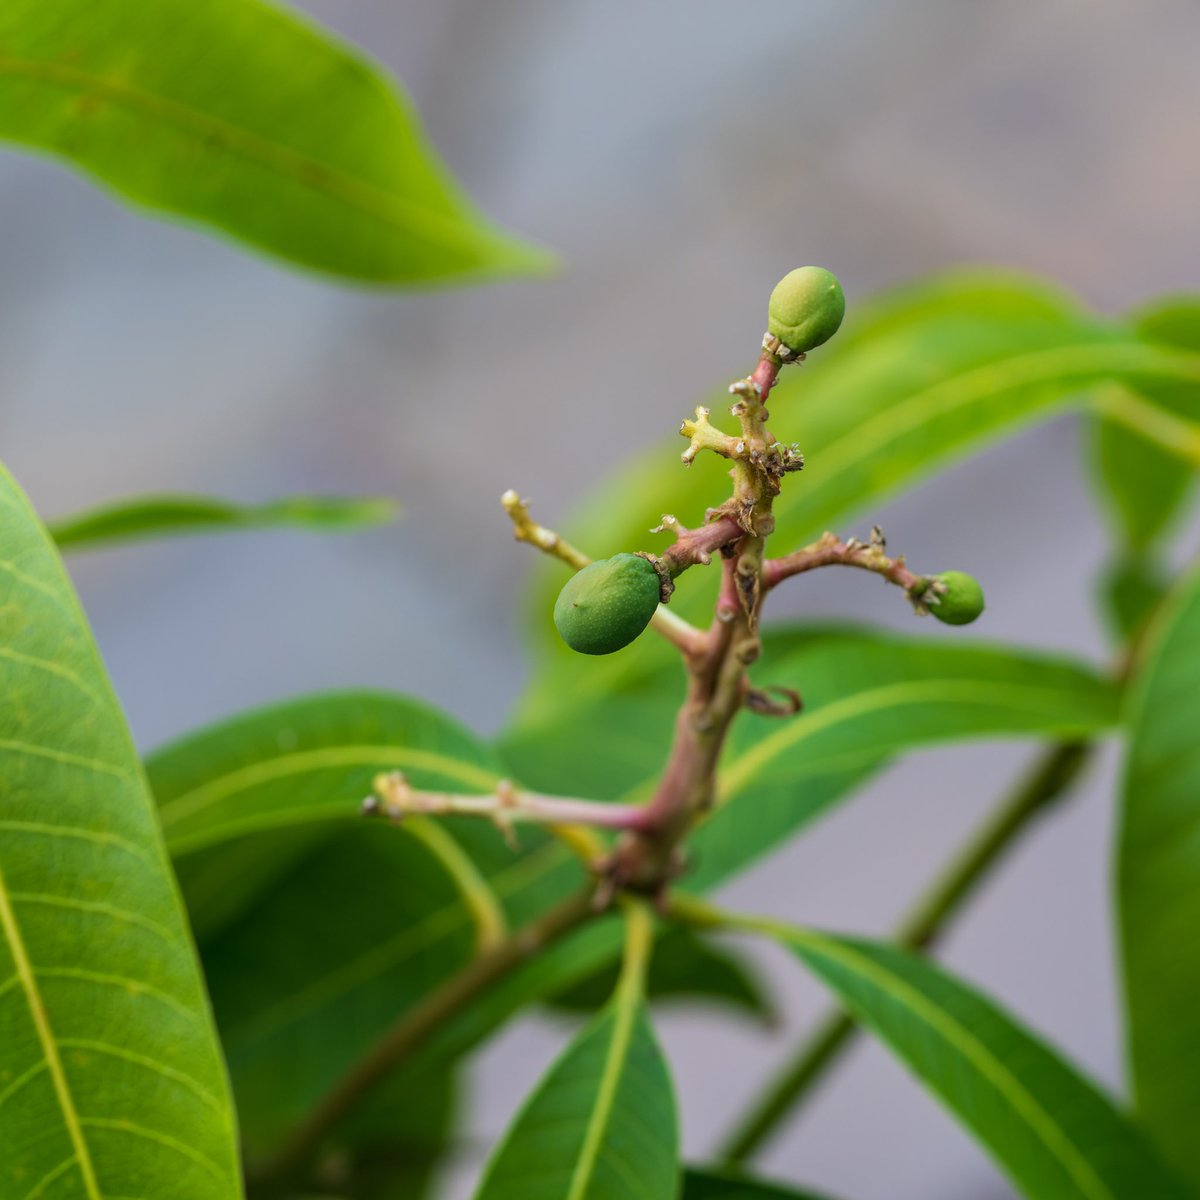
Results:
x,y
1132,588
1049,1129
302,988
239,115
916,382
686,968
143,517
867,696
390,1146
601,1125
699,1184
1158,881
261,814
111,1080
1141,482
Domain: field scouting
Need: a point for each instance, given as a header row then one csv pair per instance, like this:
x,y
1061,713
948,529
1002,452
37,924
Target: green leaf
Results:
x,y
1132,588
1144,484
1158,881
1048,1128
262,816
684,967
390,1147
111,1079
915,382
867,696
734,1185
319,929
240,115
601,1125
161,516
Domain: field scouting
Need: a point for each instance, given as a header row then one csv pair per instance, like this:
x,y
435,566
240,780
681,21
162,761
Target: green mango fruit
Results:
x,y
961,601
607,604
806,308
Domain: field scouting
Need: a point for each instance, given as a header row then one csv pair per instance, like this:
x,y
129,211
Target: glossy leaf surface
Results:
x,y
1158,881
601,1125
111,1080
317,927
1050,1129
239,115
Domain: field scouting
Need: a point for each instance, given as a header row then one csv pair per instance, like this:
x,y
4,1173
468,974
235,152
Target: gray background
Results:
x,y
679,156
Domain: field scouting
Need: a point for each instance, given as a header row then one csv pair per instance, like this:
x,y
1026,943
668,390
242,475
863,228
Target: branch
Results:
x,y
830,551
395,798
1048,780
526,529
412,1029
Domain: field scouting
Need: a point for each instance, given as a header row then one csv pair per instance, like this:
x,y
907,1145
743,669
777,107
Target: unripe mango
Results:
x,y
607,604
806,308
961,601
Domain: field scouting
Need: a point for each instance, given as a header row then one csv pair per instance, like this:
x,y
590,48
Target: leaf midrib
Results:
x,y
298,168
188,803
624,1017
744,768
871,435
1049,1131
41,1021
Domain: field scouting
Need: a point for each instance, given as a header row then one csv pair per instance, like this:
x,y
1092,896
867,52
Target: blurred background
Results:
x,y
680,156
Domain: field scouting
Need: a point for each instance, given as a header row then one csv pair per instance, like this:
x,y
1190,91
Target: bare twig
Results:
x,y
394,797
830,551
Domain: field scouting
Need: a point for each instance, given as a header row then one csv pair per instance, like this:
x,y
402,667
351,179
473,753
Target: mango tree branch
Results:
x,y
649,857
830,551
1048,781
394,797
275,1177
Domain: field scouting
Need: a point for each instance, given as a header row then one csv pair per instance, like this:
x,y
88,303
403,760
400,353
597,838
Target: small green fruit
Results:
x,y
806,308
607,604
961,602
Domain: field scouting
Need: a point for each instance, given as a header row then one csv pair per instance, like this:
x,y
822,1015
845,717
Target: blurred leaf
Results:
x,y
601,1124
112,1080
316,926
1158,881
290,773
1132,588
701,1184
867,696
1142,483
243,116
917,381
684,967
1050,1129
302,986
389,1148
162,516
